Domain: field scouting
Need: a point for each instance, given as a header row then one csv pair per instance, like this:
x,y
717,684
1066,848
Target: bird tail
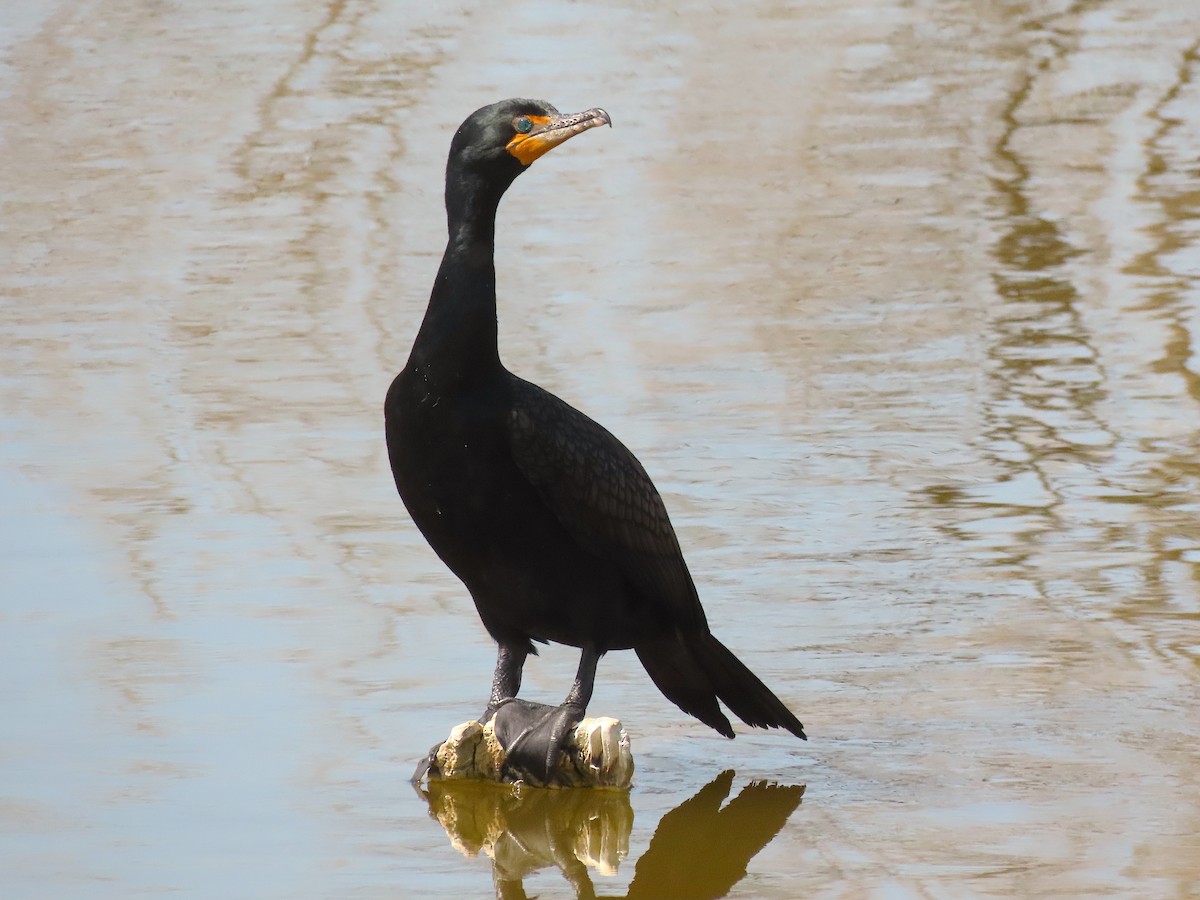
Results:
x,y
693,670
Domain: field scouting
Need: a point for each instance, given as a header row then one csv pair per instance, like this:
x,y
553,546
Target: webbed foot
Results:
x,y
423,767
533,735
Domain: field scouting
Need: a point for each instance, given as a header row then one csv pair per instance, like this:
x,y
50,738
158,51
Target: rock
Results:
x,y
598,755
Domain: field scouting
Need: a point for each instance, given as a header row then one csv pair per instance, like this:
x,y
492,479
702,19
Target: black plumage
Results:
x,y
550,522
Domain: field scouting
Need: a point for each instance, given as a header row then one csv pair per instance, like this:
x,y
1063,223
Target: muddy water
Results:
x,y
897,302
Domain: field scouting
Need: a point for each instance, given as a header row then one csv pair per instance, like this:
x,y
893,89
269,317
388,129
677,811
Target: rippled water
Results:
x,y
897,303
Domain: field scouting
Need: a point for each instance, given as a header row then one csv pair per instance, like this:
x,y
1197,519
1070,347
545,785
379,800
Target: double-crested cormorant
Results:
x,y
551,523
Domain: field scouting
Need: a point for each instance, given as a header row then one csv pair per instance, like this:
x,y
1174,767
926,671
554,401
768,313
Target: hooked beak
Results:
x,y
550,131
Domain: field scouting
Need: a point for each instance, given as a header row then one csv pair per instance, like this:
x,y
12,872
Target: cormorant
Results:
x,y
550,521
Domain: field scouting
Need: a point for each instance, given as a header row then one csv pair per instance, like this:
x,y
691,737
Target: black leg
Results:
x,y
533,734
585,678
506,682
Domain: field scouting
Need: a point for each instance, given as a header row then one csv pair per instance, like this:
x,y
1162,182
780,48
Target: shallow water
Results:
x,y
897,303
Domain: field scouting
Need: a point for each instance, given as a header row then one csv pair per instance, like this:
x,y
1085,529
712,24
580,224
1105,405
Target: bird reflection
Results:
x,y
699,850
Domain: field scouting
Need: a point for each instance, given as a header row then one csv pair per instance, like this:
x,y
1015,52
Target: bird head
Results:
x,y
500,141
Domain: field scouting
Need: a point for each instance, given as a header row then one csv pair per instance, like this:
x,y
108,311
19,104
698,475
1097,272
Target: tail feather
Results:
x,y
694,670
672,667
742,691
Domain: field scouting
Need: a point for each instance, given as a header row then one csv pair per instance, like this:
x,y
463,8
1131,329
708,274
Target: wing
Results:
x,y
601,494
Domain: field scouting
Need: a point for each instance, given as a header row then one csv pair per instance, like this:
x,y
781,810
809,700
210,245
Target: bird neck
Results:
x,y
458,337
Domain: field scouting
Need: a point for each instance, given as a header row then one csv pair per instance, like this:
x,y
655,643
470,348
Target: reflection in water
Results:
x,y
1046,380
1166,271
699,849
524,830
1082,419
1084,468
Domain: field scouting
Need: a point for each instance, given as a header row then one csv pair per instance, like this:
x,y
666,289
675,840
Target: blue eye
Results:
x,y
523,125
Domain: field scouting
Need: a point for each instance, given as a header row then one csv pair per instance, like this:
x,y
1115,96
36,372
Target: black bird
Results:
x,y
550,521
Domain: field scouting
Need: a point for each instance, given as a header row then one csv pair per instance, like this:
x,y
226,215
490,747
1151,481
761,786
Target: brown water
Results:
x,y
898,302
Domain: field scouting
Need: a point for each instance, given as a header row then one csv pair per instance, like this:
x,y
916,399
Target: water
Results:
x,y
897,303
